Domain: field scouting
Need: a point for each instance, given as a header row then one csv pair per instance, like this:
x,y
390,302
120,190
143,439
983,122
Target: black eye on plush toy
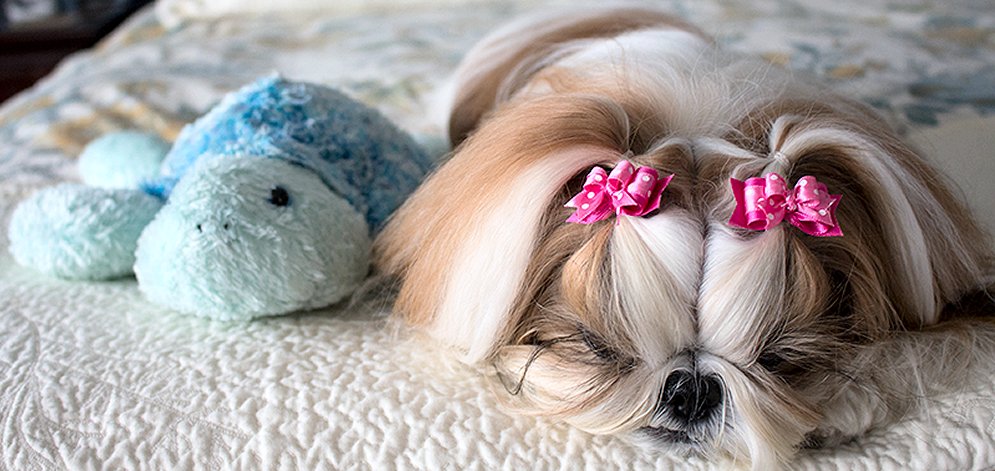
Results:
x,y
278,196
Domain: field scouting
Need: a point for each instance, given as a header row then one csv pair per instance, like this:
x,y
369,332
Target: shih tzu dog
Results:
x,y
644,233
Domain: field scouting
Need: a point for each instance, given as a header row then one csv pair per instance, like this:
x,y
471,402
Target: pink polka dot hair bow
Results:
x,y
629,190
762,203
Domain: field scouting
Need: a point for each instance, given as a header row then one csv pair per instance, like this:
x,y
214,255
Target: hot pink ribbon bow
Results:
x,y
627,190
762,203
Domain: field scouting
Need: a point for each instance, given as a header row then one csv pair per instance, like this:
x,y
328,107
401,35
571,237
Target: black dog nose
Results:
x,y
689,397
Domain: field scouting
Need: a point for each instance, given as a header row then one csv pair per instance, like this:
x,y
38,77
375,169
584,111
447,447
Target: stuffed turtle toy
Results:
x,y
265,205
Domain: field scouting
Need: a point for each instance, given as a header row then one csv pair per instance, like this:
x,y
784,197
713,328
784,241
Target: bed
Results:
x,y
94,377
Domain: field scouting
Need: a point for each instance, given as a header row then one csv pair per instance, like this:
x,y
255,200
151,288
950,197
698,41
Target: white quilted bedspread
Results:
x,y
94,377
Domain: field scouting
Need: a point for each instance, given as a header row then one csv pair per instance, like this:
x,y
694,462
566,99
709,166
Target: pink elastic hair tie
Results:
x,y
629,190
762,203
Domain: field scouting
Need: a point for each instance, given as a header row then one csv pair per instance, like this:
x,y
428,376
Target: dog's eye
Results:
x,y
278,196
597,346
789,369
604,352
770,361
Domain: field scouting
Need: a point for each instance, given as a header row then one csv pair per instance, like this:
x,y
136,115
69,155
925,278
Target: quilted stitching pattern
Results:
x,y
92,376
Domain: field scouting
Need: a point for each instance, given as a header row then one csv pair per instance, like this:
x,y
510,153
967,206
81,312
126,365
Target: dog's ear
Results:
x,y
502,63
909,246
463,241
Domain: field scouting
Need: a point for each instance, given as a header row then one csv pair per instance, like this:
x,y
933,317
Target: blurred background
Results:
x,y
36,34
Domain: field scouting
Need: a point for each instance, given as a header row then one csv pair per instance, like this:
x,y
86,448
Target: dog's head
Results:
x,y
677,325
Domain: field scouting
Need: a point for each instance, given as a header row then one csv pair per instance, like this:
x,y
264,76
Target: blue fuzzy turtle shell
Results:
x,y
355,150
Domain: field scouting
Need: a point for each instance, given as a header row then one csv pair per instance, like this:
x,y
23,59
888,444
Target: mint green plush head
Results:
x,y
247,237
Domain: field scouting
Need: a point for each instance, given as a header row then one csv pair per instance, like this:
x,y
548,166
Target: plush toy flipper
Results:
x,y
77,232
123,159
246,237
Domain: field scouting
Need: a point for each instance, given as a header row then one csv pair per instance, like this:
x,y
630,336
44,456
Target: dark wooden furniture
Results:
x,y
29,51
